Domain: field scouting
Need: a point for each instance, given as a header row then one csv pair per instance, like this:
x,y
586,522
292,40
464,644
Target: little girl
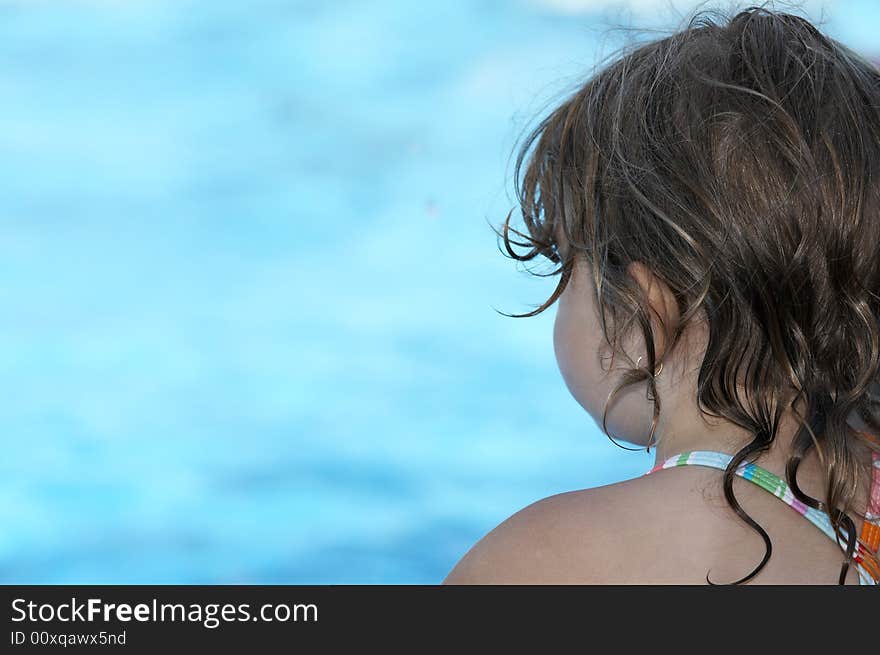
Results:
x,y
712,203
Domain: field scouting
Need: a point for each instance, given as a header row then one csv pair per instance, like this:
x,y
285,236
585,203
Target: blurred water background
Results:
x,y
248,284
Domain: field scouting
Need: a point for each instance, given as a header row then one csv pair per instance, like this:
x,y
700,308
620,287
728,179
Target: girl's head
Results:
x,y
712,200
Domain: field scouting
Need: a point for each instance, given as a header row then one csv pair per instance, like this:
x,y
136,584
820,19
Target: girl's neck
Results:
x,y
685,428
712,434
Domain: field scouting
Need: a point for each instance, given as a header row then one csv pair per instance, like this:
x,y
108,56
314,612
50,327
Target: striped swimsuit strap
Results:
x,y
867,543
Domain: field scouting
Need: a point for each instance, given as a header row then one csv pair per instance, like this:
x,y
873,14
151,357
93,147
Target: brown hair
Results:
x,y
739,159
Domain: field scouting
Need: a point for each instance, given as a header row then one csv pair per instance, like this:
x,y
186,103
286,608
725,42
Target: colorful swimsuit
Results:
x,y
869,540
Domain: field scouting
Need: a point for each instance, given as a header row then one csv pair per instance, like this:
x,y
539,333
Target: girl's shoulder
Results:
x,y
671,527
604,535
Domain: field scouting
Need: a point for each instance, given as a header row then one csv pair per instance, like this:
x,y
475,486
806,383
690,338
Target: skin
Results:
x,y
674,526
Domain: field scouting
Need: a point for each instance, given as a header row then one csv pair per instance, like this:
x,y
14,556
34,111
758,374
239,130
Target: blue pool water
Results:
x,y
248,286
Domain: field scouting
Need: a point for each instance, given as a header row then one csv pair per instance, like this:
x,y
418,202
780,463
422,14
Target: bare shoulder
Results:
x,y
589,536
538,543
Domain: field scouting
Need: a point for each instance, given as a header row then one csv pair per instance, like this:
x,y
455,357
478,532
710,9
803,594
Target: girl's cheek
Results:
x,y
561,337
572,355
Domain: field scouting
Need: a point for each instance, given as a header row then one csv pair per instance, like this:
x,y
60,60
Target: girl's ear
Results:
x,y
561,241
661,302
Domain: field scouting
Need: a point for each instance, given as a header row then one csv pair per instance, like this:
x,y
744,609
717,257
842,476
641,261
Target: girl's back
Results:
x,y
630,533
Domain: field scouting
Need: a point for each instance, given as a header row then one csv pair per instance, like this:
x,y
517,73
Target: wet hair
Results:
x,y
739,160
